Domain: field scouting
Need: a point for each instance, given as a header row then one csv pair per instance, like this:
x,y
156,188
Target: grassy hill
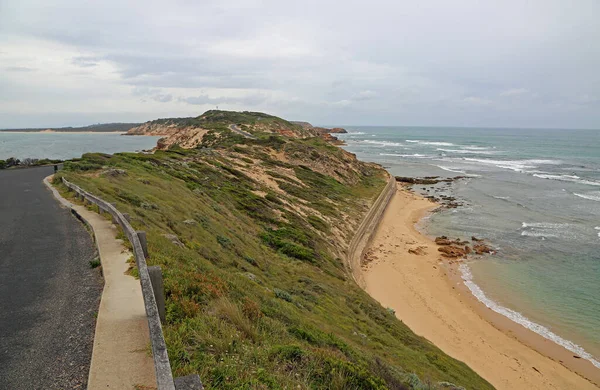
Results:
x,y
188,131
251,234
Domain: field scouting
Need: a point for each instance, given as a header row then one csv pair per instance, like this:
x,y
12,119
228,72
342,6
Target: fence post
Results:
x,y
143,241
157,286
114,220
188,382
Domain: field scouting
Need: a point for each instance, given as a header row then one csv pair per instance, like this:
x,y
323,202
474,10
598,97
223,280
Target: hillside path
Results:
x,y
49,295
120,358
236,129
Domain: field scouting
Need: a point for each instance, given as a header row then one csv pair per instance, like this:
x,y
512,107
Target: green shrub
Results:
x,y
282,295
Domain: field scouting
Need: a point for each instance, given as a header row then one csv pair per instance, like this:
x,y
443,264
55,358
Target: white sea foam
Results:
x,y
357,133
589,196
473,147
415,155
569,178
515,165
520,318
380,143
468,151
598,228
502,197
457,170
434,143
451,169
543,235
545,229
544,225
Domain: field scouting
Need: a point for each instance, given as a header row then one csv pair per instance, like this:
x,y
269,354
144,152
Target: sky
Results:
x,y
509,63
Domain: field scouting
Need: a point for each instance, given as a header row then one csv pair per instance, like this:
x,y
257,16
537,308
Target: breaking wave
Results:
x,y
545,229
589,196
380,143
415,155
435,143
569,178
515,165
520,318
468,151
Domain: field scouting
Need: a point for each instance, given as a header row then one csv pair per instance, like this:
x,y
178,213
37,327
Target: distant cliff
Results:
x,y
189,132
98,128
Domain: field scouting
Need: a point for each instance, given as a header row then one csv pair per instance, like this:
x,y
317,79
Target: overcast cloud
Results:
x,y
503,63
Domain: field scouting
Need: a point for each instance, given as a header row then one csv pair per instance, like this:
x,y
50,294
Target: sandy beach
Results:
x,y
427,294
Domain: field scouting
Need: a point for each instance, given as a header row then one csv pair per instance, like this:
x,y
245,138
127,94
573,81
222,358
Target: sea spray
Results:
x,y
517,317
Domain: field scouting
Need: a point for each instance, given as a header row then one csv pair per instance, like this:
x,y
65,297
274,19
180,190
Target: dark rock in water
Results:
x,y
442,240
480,249
473,238
452,251
427,180
338,130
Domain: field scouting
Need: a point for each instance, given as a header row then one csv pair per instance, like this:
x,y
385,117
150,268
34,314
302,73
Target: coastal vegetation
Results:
x,y
251,237
26,162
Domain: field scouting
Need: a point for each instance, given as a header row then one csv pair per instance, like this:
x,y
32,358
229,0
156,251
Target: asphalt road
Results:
x,y
49,295
236,129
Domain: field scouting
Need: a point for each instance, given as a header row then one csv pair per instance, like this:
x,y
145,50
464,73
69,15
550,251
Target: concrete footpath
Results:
x,y
121,357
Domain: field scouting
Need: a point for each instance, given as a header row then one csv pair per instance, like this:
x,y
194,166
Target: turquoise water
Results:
x,y
535,194
67,145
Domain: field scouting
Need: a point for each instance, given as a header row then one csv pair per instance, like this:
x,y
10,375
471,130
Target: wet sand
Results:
x,y
427,294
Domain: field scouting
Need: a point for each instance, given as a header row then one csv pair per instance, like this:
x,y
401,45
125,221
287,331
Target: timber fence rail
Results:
x,y
365,232
162,366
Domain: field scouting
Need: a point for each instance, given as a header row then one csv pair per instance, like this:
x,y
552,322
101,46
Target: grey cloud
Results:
x,y
163,98
85,62
252,100
19,69
391,62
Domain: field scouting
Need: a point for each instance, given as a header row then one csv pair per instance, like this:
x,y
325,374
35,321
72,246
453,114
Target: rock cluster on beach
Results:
x,y
455,249
427,179
446,201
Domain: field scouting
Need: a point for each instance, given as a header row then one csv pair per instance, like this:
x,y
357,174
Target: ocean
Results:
x,y
535,195
69,145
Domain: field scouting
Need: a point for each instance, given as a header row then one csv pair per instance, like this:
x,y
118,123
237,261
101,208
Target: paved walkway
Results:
x,y
48,293
236,129
121,357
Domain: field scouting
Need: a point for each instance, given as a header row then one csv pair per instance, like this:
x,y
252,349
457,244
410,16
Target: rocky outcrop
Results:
x,y
186,137
453,251
427,179
338,130
443,240
481,249
320,130
334,140
457,248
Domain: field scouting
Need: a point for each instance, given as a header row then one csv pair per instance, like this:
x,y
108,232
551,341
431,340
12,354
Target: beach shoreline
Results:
x,y
428,295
